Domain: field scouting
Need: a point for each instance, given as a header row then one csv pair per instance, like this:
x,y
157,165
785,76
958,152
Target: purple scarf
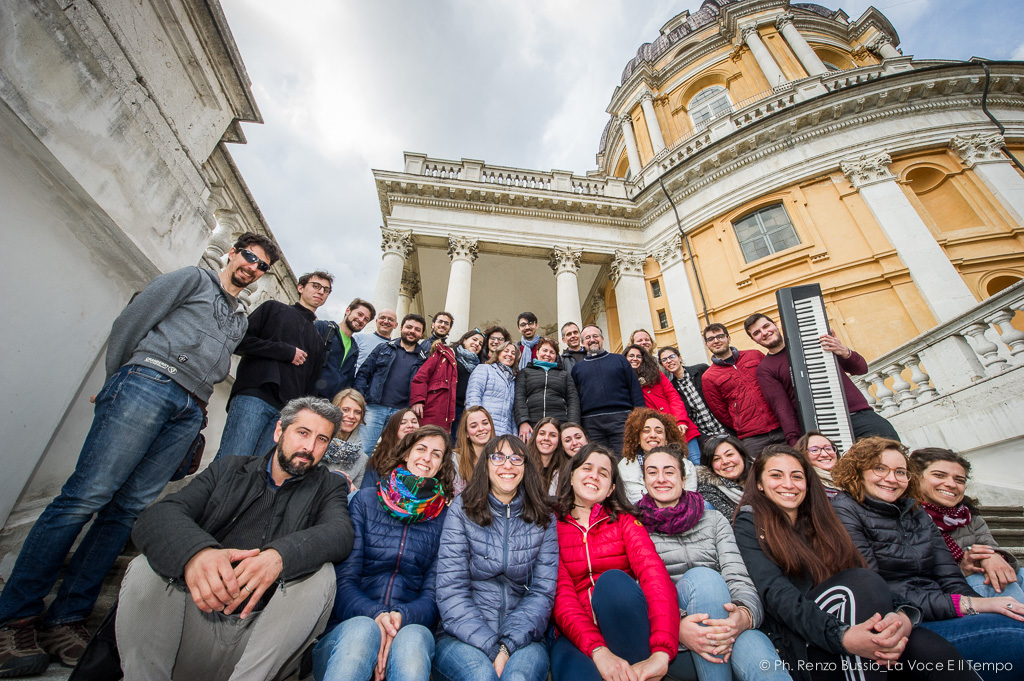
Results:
x,y
676,520
947,519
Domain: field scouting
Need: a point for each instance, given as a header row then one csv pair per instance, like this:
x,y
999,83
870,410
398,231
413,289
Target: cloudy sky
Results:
x,y
348,85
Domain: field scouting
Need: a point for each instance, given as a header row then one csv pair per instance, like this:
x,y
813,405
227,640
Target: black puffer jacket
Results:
x,y
901,543
541,393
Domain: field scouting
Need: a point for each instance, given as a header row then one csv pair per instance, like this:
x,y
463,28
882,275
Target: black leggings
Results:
x,y
855,595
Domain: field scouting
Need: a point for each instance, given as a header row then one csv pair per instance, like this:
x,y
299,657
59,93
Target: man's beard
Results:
x,y
237,281
292,467
594,349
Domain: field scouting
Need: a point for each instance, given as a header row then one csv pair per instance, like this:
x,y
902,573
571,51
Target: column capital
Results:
x,y
645,96
625,119
975,149
398,241
627,263
670,252
410,285
748,30
597,307
867,170
875,44
783,20
564,259
462,248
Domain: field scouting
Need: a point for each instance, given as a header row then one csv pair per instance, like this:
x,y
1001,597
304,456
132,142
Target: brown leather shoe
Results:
x,y
65,642
20,654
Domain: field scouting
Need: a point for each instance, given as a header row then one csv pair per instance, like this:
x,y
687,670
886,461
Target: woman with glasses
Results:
x,y
384,611
434,392
941,476
496,572
899,540
401,423
722,473
544,390
573,438
661,395
474,432
492,386
823,455
495,336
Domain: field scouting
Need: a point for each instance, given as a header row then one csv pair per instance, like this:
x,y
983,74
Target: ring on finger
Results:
x,y
246,587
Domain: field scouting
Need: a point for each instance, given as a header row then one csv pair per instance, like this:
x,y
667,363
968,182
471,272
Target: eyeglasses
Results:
x,y
667,357
254,259
319,287
882,471
712,339
498,458
828,449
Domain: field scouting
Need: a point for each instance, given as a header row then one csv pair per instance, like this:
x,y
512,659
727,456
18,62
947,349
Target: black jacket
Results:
x,y
310,523
901,543
570,357
541,393
268,348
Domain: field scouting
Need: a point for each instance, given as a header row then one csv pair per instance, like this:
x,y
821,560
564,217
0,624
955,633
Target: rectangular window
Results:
x,y
662,319
656,288
764,232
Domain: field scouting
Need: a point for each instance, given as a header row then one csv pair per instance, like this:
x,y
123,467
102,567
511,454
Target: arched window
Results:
x,y
707,105
764,232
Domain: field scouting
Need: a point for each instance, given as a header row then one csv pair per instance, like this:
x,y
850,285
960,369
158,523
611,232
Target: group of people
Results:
x,y
402,508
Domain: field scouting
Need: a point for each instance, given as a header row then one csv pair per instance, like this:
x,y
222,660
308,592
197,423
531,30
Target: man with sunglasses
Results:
x,y
282,355
732,393
166,351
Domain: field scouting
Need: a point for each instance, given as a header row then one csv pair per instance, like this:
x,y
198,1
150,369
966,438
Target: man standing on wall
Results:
x,y
339,367
574,351
387,320
282,355
608,390
527,323
776,382
147,415
734,396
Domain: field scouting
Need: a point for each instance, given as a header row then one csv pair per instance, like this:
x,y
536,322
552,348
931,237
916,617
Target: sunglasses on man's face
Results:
x,y
254,259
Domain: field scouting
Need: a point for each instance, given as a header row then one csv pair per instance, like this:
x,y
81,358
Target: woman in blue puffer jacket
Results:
x,y
493,387
384,611
496,572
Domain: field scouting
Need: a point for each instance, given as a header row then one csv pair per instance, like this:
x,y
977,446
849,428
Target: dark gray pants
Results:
x,y
755,443
868,423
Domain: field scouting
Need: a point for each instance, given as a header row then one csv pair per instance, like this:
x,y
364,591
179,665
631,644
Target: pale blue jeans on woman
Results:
x,y
1016,591
349,652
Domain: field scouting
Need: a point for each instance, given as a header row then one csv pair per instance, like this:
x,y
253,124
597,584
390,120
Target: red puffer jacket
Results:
x,y
664,398
734,396
434,387
620,544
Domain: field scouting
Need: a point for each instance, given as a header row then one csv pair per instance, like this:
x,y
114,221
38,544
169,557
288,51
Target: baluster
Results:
x,y
1014,338
926,392
885,397
900,386
987,351
863,387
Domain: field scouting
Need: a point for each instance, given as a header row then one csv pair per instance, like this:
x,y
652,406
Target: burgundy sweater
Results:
x,y
777,385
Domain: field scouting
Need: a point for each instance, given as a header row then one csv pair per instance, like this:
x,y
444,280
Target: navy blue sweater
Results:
x,y
606,383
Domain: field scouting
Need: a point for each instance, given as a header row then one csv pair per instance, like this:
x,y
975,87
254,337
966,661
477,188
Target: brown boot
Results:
x,y
20,654
65,642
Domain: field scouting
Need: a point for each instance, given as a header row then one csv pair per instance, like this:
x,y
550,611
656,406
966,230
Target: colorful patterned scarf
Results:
x,y
410,498
676,520
947,519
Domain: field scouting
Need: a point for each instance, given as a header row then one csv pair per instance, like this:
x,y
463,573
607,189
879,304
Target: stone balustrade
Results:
x,y
477,171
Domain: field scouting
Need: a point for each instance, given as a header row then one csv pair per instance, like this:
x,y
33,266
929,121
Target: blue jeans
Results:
x,y
249,429
458,661
143,425
1016,591
985,638
377,416
702,590
693,452
349,652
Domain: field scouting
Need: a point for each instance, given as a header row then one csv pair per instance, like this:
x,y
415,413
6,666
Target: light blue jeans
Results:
x,y
249,428
1016,591
143,425
349,652
987,638
693,451
377,416
458,661
703,590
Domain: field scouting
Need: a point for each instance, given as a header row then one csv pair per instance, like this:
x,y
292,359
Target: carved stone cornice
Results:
x,y
867,170
410,285
627,263
397,241
564,260
782,20
462,248
979,149
670,252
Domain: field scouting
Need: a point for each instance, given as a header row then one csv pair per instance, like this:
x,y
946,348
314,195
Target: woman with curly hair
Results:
x,y
941,476
661,395
899,540
494,336
401,423
646,429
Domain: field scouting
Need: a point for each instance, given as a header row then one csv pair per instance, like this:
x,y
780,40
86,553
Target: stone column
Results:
x,y
881,45
630,292
407,291
565,263
653,129
687,324
941,286
808,58
632,153
983,154
397,247
764,59
462,252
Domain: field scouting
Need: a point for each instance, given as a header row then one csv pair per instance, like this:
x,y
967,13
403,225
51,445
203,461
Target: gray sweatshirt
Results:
x,y
184,325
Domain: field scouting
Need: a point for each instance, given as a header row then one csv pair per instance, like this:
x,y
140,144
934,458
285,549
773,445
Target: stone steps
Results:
x,y
1007,526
